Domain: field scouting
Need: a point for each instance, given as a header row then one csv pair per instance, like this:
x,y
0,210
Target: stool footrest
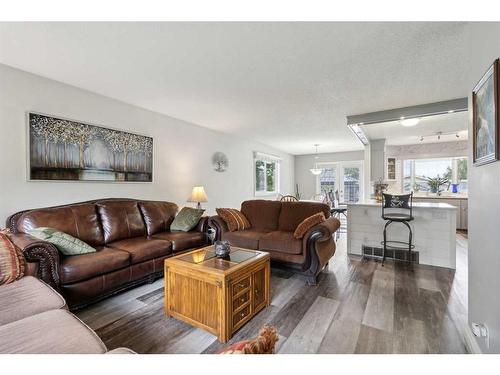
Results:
x,y
397,245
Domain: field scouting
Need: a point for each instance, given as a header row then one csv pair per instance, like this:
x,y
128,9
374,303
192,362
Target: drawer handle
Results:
x,y
242,299
242,314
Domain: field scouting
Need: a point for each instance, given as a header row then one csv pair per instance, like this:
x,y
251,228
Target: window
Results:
x,y
417,173
327,180
267,174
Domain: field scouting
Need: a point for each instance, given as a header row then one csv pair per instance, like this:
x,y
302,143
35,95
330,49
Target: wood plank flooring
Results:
x,y
359,306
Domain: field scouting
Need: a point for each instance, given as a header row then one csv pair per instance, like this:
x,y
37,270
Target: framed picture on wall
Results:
x,y
485,117
67,150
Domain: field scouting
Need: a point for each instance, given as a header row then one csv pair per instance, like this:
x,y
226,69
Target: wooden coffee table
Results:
x,y
217,295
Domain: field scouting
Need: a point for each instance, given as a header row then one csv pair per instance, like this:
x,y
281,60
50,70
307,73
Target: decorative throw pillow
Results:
x,y
308,223
187,219
65,243
12,262
234,219
264,344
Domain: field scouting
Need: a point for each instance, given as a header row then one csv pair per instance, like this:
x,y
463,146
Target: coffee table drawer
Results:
x,y
241,299
241,285
241,315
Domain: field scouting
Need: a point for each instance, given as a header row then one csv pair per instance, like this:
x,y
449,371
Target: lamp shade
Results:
x,y
198,195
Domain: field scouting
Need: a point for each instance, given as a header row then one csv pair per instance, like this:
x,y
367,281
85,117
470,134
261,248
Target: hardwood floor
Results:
x,y
357,307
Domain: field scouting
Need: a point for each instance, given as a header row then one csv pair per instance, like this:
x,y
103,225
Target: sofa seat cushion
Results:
x,y
143,248
51,332
247,239
281,241
25,297
182,240
81,267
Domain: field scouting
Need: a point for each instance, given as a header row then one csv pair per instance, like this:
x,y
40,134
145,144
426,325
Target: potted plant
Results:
x,y
435,183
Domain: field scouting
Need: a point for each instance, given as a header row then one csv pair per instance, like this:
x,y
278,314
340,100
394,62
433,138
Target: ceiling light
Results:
x,y
451,111
409,122
316,171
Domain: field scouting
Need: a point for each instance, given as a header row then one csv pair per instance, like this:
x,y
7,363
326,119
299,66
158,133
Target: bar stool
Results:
x,y
399,209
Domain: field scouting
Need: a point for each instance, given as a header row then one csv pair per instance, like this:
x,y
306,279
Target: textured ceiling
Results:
x,y
288,85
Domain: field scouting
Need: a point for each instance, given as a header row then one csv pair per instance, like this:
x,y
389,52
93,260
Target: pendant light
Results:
x,y
316,171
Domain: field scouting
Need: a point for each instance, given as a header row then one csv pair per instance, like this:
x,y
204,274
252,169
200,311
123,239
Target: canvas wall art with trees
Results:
x,y
68,150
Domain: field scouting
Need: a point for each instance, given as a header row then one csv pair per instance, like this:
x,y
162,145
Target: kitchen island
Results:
x,y
434,231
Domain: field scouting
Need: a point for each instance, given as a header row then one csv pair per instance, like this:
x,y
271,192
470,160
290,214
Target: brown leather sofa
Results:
x,y
273,224
132,239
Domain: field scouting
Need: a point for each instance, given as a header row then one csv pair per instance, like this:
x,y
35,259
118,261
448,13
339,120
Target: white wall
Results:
x,y
182,156
306,180
484,205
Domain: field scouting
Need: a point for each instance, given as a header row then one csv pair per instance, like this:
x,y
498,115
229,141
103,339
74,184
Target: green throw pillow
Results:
x,y
68,245
186,219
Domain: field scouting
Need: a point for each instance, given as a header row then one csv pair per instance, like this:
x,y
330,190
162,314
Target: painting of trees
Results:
x,y
69,150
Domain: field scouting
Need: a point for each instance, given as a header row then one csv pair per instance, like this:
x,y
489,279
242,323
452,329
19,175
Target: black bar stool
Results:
x,y
399,209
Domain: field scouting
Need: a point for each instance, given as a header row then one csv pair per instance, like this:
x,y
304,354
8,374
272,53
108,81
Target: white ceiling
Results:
x,y
396,134
288,85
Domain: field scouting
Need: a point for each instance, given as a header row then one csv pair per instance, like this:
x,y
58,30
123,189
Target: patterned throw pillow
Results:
x,y
264,344
187,219
65,243
12,262
234,219
308,223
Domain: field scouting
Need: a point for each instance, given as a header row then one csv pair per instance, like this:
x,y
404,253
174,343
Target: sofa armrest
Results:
x,y
319,247
219,225
202,225
44,253
325,229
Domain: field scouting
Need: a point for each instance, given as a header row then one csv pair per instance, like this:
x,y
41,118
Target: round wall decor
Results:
x,y
220,161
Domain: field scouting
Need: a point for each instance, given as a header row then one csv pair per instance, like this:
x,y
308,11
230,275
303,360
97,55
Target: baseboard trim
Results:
x,y
470,341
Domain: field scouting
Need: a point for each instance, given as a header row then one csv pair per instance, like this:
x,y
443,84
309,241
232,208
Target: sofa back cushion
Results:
x,y
120,219
79,220
293,213
158,215
262,214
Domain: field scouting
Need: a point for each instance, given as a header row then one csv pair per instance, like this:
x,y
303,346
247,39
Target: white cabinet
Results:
x,y
459,203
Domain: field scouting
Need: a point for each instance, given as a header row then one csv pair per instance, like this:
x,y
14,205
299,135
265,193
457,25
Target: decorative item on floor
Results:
x,y
315,170
222,249
198,195
263,344
435,184
485,117
378,189
69,150
220,162
211,234
186,219
297,193
234,219
12,263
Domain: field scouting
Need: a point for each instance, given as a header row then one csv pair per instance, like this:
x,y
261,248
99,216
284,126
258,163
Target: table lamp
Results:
x,y
198,195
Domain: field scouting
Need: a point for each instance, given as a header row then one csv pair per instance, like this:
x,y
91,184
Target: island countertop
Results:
x,y
373,202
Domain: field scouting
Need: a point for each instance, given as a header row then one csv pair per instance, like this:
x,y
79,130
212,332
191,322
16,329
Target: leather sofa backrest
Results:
x,y
293,213
262,214
158,215
120,219
79,220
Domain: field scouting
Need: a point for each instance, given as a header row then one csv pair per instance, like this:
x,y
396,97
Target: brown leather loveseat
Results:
x,y
272,227
132,239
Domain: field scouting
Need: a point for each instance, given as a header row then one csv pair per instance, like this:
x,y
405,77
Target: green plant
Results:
x,y
435,183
